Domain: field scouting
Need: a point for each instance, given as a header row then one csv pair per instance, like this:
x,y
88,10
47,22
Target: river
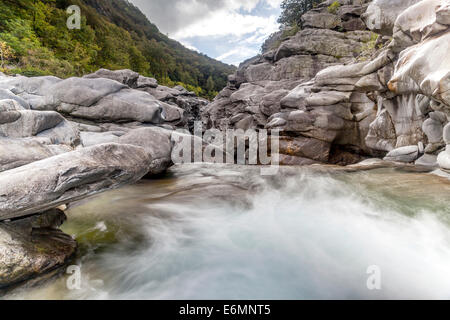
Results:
x,y
226,232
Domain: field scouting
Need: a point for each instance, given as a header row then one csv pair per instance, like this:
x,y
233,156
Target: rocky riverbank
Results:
x,y
363,80
366,79
65,140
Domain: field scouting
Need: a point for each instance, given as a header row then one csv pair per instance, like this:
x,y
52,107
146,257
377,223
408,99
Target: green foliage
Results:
x,y
114,35
369,47
275,42
292,11
334,7
208,93
6,54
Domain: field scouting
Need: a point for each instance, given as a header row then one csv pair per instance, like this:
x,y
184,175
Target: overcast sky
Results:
x,y
228,30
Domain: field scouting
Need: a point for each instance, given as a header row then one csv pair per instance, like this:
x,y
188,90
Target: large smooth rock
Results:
x,y
18,152
407,114
156,142
6,94
17,122
403,154
8,105
34,86
51,93
382,14
69,177
444,159
446,134
79,92
422,70
427,160
127,77
89,139
416,23
46,124
96,98
433,130
350,74
33,246
145,82
327,98
124,105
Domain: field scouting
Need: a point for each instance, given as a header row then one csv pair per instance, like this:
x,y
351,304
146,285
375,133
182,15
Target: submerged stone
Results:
x,y
33,246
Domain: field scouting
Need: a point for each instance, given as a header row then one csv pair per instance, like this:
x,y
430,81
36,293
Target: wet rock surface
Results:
x,y
33,246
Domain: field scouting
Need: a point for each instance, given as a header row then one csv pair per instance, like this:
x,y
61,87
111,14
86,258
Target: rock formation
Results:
x,y
366,79
69,177
187,103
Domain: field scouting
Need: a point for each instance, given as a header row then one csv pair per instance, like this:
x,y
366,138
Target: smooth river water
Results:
x,y
217,232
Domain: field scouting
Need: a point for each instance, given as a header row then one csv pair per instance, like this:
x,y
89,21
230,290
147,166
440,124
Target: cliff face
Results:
x,y
362,80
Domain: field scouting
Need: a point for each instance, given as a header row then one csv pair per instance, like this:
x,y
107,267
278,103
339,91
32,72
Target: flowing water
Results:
x,y
209,232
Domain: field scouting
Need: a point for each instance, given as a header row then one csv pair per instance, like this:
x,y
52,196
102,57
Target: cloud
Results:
x,y
224,23
236,26
189,46
237,55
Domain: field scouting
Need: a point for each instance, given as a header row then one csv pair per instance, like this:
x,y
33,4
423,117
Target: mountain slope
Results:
x,y
114,34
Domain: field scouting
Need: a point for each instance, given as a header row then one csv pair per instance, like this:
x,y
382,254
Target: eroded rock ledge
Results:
x,y
341,90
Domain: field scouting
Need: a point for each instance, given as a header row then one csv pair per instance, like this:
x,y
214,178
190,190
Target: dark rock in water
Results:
x,y
344,158
403,154
33,246
313,149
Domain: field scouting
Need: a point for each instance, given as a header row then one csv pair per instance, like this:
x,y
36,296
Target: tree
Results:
x,y
113,35
5,53
210,84
292,11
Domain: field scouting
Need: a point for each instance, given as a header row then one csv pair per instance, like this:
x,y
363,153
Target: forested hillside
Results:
x,y
114,34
